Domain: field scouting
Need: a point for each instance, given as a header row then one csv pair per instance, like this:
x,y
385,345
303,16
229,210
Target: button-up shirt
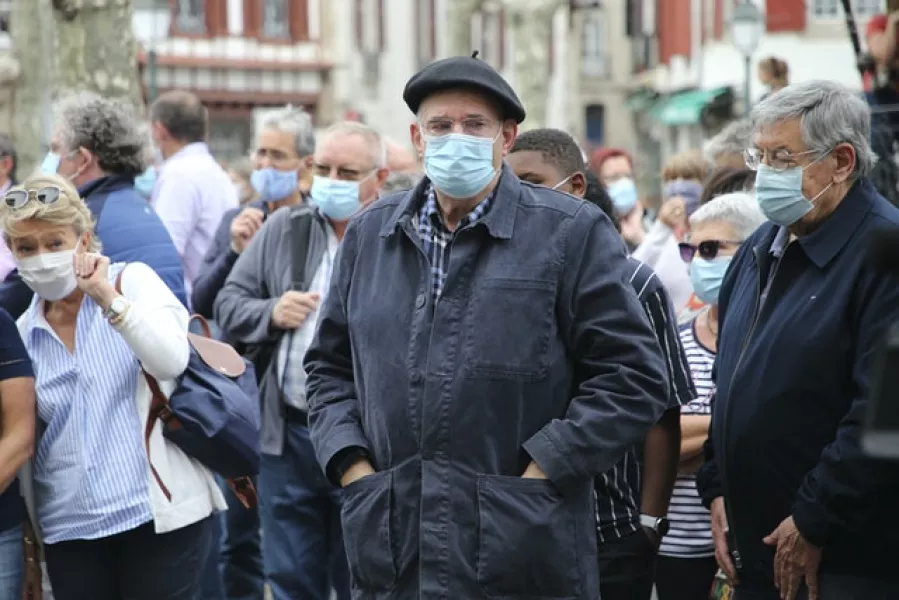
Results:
x,y
438,239
90,467
191,196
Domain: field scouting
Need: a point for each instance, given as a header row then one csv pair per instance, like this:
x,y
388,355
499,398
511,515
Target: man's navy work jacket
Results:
x,y
130,231
537,349
793,379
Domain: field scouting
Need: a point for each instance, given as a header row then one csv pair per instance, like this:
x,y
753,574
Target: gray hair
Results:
x,y
296,122
107,128
398,182
376,143
733,139
738,209
830,114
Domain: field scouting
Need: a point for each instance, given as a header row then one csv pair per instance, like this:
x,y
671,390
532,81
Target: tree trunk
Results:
x,y
96,47
459,17
32,33
531,22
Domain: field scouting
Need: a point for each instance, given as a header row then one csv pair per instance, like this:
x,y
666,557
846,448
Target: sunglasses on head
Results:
x,y
707,250
19,198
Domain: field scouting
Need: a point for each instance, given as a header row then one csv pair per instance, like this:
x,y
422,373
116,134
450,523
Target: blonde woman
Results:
x,y
108,529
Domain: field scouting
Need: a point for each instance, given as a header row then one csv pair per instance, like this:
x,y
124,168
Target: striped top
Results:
x,y
90,469
690,535
618,490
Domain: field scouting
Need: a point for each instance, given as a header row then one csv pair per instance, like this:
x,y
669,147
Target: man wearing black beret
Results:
x,y
480,358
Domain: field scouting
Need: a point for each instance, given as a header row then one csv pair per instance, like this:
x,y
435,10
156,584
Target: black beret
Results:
x,y
463,72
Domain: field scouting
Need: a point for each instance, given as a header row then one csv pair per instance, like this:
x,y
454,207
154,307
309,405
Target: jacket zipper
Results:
x,y
727,410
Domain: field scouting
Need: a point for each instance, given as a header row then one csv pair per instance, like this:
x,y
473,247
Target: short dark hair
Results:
x,y
182,114
726,180
7,148
557,148
597,194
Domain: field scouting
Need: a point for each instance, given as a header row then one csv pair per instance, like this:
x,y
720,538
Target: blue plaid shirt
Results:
x,y
437,239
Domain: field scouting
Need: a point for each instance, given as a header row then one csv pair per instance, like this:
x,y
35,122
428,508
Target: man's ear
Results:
x,y
846,159
381,176
578,184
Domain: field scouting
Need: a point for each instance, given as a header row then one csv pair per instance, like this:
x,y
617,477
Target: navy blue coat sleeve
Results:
x,y
15,296
217,264
844,492
335,422
620,389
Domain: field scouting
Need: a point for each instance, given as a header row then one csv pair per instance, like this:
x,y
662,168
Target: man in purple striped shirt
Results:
x,y
192,192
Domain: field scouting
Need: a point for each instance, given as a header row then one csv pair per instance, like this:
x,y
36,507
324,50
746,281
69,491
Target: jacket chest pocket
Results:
x,y
509,329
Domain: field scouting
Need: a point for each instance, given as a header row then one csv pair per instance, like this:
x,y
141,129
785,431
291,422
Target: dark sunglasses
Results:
x,y
707,250
19,198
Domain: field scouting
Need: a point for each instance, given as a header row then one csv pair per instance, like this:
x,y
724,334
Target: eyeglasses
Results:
x,y
475,127
19,198
778,160
708,249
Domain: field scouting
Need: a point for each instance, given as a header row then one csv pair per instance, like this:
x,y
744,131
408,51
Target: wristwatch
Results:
x,y
117,308
660,525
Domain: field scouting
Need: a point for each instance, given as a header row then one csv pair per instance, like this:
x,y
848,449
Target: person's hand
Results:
x,y
92,276
292,309
533,472
632,226
794,561
673,214
719,536
359,469
244,227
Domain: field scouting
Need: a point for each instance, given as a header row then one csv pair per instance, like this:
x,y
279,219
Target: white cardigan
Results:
x,y
155,328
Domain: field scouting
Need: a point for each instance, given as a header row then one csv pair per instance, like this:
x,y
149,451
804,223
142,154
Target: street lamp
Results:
x,y
746,29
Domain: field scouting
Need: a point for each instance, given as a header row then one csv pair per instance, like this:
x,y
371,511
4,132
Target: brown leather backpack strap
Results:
x,y
245,491
158,406
204,324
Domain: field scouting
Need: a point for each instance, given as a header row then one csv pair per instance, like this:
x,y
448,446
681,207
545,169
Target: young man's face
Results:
x,y
530,166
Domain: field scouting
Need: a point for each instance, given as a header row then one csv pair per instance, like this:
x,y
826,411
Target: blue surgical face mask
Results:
x,y
145,182
273,185
780,197
707,276
623,193
459,165
338,200
50,164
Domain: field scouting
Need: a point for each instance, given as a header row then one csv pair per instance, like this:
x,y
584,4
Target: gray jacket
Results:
x,y
243,307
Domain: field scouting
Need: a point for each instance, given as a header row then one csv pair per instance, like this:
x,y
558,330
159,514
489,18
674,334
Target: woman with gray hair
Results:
x,y
109,527
686,565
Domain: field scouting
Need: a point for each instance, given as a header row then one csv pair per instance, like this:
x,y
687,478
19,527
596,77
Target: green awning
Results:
x,y
685,108
641,100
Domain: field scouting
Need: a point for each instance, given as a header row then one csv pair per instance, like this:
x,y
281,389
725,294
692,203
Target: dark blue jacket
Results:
x,y
537,349
793,379
218,262
130,232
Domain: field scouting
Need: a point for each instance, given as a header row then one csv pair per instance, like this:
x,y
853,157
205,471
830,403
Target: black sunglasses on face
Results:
x,y
19,198
707,250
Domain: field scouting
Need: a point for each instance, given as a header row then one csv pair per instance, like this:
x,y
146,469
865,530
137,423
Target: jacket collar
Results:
x,y
825,243
106,184
499,220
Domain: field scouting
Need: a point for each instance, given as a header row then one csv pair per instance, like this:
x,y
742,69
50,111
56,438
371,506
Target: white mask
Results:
x,y
50,275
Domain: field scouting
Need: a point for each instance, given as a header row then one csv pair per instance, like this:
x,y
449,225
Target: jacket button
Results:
x,y
420,301
415,376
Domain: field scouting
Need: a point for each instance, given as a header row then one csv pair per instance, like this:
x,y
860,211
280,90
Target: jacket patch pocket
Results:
x,y
509,327
526,540
365,516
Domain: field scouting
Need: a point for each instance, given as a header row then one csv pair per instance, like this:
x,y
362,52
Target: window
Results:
x,y
426,26
489,35
190,16
370,25
276,19
831,10
593,45
595,124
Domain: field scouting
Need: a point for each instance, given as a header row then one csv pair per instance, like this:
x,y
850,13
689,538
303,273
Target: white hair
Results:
x,y
296,122
375,141
733,139
738,209
829,113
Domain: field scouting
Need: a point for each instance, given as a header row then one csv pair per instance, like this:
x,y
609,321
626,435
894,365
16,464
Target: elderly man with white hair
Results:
x,y
797,508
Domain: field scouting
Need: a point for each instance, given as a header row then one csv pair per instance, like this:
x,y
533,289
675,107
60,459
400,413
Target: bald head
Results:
x,y
181,114
400,158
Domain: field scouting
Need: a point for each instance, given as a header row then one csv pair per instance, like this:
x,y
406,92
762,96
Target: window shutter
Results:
x,y
299,19
252,18
785,15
